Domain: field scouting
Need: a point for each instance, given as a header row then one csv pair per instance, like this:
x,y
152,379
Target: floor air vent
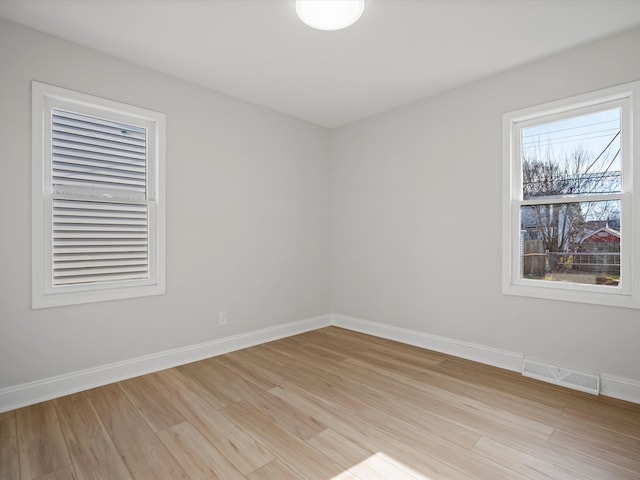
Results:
x,y
585,382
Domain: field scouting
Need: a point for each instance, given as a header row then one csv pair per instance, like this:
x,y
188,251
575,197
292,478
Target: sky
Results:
x,y
591,132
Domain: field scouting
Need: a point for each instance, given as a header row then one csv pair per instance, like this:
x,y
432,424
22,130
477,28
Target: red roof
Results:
x,y
603,235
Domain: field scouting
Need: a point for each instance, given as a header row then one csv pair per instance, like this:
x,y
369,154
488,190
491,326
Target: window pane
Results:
x,y
97,157
575,156
571,242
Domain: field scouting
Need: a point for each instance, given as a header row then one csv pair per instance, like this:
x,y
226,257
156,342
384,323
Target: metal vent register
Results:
x,y
585,382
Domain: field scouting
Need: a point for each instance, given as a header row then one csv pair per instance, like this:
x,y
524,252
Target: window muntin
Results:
x,y
567,218
98,200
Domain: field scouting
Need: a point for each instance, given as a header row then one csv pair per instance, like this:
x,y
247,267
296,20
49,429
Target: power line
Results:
x,y
617,123
565,139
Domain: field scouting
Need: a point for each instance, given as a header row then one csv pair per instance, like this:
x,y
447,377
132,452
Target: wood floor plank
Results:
x,y
289,449
399,353
368,436
338,448
423,440
380,466
400,417
182,382
618,420
330,404
343,340
471,413
242,370
7,415
66,473
588,466
233,386
93,453
197,456
410,366
268,363
206,376
41,443
532,466
468,423
9,461
274,470
157,411
286,416
357,460
142,451
266,354
289,343
596,448
504,381
596,434
242,450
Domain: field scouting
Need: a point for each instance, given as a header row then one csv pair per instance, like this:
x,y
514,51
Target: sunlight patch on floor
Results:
x,y
380,467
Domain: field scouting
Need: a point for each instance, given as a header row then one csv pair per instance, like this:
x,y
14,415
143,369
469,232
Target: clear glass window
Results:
x,y
573,156
571,241
570,215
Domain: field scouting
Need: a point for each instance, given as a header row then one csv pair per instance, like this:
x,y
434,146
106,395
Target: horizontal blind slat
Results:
x,y
97,235
86,257
108,148
63,154
101,143
103,278
95,242
104,170
98,250
106,243
103,177
96,122
68,127
80,149
90,229
86,137
62,221
87,163
103,206
91,265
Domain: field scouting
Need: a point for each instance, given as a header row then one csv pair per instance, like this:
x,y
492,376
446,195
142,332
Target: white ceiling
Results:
x,y
257,50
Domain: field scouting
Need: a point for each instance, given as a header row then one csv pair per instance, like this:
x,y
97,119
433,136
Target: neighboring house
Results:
x,y
599,252
605,239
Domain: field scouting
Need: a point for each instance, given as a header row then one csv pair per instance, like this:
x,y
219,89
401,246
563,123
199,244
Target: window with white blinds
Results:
x,y
98,199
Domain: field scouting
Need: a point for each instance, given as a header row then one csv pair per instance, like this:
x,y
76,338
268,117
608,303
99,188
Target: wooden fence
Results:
x,y
536,262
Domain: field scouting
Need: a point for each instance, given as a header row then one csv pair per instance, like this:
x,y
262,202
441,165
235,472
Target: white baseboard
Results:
x,y
54,387
478,353
621,388
610,386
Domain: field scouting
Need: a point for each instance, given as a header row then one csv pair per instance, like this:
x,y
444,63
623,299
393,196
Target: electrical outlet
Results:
x,y
222,318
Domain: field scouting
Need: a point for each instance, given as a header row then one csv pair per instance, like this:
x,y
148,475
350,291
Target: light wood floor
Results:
x,y
329,404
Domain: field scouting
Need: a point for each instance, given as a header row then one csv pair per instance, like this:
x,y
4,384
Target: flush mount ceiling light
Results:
x,y
329,14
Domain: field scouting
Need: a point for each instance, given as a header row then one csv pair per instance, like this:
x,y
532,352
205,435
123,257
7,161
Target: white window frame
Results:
x,y
44,292
626,97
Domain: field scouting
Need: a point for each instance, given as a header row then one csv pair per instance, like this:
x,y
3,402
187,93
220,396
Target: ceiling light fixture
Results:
x,y
329,14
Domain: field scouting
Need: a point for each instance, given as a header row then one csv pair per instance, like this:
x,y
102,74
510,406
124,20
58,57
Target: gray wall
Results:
x,y
248,217
394,219
416,227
